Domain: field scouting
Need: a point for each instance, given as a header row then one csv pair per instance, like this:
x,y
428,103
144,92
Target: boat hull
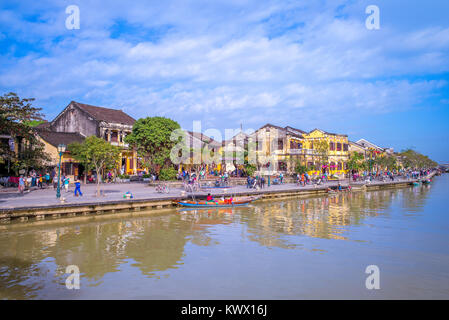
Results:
x,y
216,204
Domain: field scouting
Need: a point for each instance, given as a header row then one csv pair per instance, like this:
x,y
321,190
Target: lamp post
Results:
x,y
61,150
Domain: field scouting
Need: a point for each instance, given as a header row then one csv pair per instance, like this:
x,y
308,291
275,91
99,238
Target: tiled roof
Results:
x,y
204,138
329,133
106,114
43,126
56,138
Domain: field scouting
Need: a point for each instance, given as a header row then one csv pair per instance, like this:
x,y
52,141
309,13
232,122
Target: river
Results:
x,y
301,248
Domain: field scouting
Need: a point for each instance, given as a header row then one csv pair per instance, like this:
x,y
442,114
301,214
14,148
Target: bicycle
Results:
x,y
162,188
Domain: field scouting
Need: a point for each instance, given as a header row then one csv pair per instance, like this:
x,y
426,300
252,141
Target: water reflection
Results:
x,y
153,244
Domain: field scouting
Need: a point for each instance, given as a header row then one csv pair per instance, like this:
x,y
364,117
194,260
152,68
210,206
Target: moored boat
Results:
x,y
217,203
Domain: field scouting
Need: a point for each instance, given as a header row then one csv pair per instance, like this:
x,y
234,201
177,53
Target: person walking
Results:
x,y
47,179
78,188
21,184
66,183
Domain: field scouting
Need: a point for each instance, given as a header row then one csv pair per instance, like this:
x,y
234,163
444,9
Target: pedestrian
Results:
x,y
78,188
66,182
47,178
21,184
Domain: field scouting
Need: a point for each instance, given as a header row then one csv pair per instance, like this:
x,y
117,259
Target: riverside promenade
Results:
x,y
41,203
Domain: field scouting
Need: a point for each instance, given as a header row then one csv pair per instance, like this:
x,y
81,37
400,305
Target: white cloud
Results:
x,y
222,58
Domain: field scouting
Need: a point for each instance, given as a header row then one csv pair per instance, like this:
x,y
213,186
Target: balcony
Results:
x,y
302,152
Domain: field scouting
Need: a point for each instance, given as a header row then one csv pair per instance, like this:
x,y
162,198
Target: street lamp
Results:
x,y
61,150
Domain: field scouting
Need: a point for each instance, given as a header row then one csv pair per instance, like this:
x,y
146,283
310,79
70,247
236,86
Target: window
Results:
x,y
114,136
282,166
280,144
295,145
339,166
332,146
338,146
345,147
67,168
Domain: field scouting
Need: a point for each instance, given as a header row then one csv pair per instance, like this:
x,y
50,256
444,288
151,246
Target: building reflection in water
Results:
x,y
155,244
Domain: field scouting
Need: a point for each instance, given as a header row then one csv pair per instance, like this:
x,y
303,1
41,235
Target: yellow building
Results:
x,y
69,166
277,148
333,160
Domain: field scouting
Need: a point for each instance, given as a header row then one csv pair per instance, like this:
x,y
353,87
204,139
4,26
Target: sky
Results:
x,y
307,64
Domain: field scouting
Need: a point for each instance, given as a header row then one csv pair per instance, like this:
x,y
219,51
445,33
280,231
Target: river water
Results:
x,y
309,248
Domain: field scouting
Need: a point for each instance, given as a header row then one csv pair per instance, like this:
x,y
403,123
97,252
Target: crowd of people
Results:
x,y
392,175
40,181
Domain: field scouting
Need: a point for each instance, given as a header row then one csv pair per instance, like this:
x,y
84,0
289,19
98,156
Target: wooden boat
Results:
x,y
217,203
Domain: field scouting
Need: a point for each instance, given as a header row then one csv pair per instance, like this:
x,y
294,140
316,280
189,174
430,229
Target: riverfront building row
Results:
x,y
318,150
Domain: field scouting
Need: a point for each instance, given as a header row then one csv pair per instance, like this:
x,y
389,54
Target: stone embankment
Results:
x,y
151,200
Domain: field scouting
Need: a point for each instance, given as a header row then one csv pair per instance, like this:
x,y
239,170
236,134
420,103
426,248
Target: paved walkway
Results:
x,y
115,192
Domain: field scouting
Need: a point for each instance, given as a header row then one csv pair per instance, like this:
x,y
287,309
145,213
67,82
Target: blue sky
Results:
x,y
306,64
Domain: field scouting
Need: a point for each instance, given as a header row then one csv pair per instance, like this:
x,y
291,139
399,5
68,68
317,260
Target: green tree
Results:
x,y
151,138
167,174
17,114
300,168
98,154
321,148
356,161
413,159
17,119
80,153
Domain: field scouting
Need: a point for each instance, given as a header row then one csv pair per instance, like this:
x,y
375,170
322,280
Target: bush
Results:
x,y
167,174
123,176
146,175
250,169
299,168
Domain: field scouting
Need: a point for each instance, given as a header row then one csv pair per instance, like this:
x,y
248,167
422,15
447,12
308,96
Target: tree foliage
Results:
x,y
97,154
356,161
17,118
413,159
167,174
16,115
321,148
300,168
151,138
